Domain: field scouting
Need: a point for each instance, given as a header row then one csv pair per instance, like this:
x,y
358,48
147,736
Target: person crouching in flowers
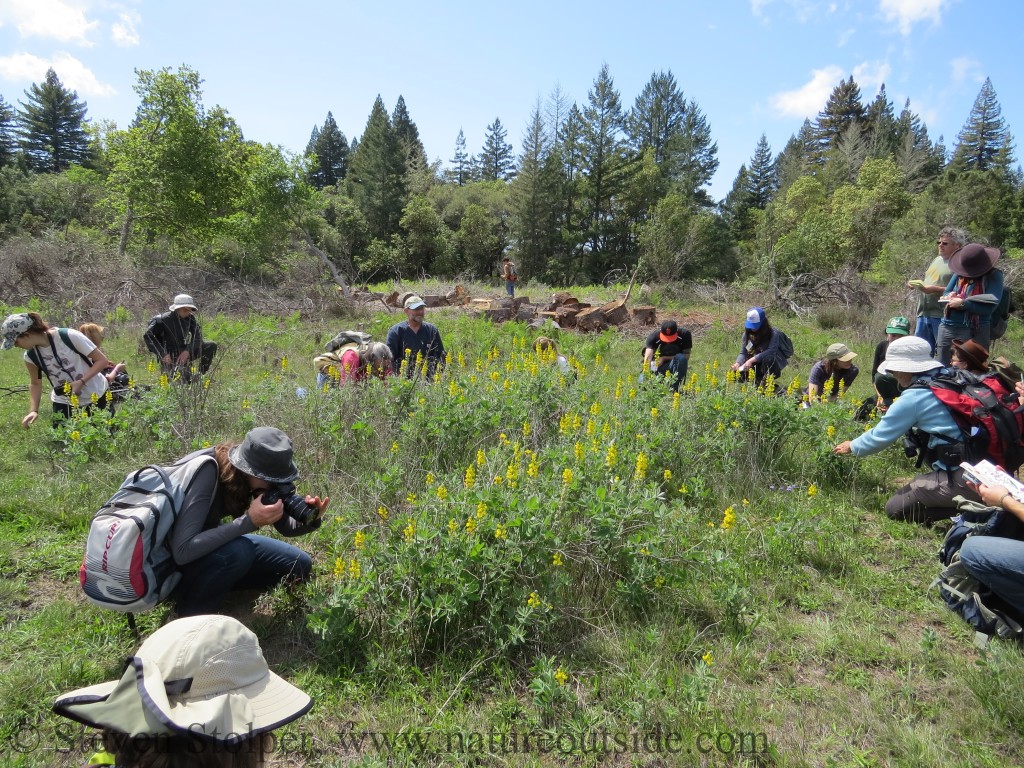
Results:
x,y
353,362
546,349
760,349
72,364
928,497
833,374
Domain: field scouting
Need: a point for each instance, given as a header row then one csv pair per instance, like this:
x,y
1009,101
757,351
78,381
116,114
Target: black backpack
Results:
x,y
1001,315
785,344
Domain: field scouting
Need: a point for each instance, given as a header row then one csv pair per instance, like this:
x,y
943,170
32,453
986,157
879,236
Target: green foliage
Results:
x,y
52,126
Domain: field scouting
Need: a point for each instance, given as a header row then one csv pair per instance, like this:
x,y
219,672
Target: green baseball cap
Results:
x,y
898,325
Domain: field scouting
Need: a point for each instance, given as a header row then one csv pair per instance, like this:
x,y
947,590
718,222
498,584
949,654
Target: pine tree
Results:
x,y
408,136
8,139
534,192
843,108
677,132
330,147
920,161
984,140
796,159
881,127
605,167
52,126
376,175
461,169
496,161
762,178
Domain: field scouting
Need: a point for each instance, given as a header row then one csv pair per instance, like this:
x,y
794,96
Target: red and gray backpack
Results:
x,y
128,565
988,414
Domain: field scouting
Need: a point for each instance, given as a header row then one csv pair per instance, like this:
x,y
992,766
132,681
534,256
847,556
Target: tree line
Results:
x,y
596,189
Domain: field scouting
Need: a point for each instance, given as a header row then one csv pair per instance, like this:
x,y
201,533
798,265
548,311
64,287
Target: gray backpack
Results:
x,y
128,565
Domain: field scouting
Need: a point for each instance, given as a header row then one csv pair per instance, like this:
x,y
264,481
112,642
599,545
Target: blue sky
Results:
x,y
752,66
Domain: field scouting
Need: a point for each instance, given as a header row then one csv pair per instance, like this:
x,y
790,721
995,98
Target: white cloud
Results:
x,y
870,76
810,98
966,68
54,19
844,37
757,6
909,12
125,32
73,74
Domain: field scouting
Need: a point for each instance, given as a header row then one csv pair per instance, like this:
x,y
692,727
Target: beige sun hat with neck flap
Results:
x,y
201,676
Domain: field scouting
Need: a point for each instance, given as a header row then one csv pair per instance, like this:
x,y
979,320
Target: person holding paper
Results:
x,y
998,561
970,299
936,277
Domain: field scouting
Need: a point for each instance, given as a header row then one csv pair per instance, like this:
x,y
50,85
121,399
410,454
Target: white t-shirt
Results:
x,y
68,366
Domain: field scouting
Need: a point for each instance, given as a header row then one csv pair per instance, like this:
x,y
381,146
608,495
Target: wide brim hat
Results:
x,y
266,453
183,300
201,676
973,260
910,354
13,327
972,353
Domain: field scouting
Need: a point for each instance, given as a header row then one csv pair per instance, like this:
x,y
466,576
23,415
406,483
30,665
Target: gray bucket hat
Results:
x,y
183,300
266,453
202,676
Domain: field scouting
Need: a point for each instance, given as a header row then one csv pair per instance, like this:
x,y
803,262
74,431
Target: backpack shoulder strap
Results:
x,y
66,338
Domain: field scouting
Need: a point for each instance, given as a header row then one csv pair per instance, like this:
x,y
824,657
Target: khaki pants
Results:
x,y
929,497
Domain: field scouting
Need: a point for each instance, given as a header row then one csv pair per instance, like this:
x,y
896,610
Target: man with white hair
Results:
x,y
928,497
177,340
416,344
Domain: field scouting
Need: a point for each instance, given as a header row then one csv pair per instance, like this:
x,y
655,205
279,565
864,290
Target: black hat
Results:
x,y
266,453
669,331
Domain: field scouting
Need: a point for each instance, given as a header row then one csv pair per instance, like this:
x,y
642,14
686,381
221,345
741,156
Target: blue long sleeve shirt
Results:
x,y
991,283
915,407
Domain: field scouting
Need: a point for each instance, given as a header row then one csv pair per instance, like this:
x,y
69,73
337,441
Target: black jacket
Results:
x,y
168,334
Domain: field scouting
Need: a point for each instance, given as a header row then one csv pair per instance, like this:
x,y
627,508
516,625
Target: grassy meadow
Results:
x,y
521,567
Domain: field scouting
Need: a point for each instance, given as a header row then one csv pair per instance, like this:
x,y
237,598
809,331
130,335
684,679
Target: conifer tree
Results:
x,y
376,175
497,160
762,178
330,147
52,126
408,136
843,108
984,142
8,138
880,125
460,163
919,160
534,192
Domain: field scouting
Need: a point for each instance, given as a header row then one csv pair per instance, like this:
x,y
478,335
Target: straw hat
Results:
x,y
202,676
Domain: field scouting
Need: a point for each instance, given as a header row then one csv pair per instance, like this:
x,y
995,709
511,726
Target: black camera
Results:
x,y
295,506
910,447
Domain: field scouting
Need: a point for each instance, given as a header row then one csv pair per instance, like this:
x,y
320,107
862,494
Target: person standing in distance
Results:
x,y
415,342
510,275
936,277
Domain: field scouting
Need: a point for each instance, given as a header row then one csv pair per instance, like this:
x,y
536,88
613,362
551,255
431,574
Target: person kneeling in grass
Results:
x,y
928,497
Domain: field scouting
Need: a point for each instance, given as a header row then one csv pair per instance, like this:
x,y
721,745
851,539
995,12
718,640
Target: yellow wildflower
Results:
x,y
675,401
526,429
453,526
729,518
410,498
667,475
561,677
442,493
394,447
410,531
360,540
640,471
471,525
481,510
503,438
339,568
382,513
533,600
830,431
429,480
76,435
708,658
812,490
481,457
654,413
500,532
567,477
577,451
611,456
284,363
470,479
557,560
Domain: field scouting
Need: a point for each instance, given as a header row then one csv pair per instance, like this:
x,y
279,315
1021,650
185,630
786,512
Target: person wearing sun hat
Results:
x,y
176,338
970,356
199,688
214,538
760,349
413,339
971,298
671,346
832,374
928,497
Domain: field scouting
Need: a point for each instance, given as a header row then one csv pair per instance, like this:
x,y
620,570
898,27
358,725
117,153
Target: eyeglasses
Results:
x,y
939,242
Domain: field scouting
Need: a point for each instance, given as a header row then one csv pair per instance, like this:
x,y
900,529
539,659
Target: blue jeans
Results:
x,y
510,288
928,329
997,563
248,562
677,366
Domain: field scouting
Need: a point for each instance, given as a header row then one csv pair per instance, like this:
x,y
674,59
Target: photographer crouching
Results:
x,y
252,484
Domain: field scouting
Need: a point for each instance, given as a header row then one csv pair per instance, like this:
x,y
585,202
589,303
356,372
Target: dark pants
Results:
x,y
676,366
929,497
208,350
248,562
